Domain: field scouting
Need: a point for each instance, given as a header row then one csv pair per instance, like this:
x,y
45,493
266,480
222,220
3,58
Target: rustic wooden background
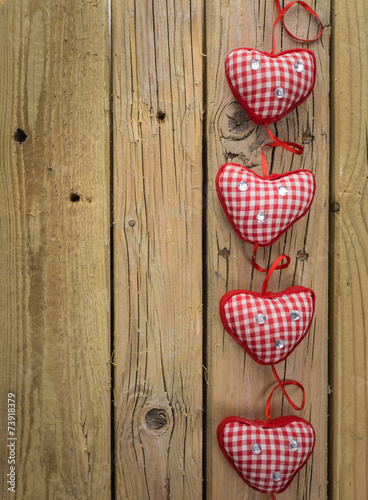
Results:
x,y
115,118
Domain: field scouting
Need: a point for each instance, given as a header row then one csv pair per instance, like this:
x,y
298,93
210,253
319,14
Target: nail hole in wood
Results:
x,y
161,115
301,255
74,197
335,207
20,136
225,253
231,156
156,419
307,138
132,223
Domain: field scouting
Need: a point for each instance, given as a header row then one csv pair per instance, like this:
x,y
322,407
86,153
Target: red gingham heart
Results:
x,y
268,326
266,455
269,86
261,209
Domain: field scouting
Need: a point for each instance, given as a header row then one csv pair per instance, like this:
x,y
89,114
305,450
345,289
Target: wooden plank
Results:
x,y
349,242
54,251
236,384
157,102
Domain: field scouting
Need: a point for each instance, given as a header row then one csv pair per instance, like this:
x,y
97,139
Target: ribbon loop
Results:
x,y
282,385
283,11
275,266
298,150
254,263
293,147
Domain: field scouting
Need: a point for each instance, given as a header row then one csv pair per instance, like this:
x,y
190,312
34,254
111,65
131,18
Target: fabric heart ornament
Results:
x,y
269,326
269,86
261,209
266,455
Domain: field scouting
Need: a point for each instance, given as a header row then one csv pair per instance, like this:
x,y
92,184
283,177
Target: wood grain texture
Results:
x,y
349,243
157,103
54,253
236,384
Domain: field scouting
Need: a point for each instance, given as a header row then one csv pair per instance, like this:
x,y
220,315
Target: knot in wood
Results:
x,y
234,123
156,419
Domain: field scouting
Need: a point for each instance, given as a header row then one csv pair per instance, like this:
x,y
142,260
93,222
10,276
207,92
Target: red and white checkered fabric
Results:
x,y
239,309
236,437
254,89
262,196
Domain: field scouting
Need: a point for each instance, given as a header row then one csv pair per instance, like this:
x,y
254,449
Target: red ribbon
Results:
x,y
275,266
281,16
281,385
254,263
299,150
290,146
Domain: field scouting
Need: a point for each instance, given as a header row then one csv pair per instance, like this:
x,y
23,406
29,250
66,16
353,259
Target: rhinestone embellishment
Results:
x,y
261,318
282,190
279,92
293,445
243,186
277,476
294,315
256,449
279,344
299,67
255,64
261,217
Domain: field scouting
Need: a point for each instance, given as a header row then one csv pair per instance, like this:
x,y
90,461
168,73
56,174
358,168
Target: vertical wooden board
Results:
x,y
54,251
157,102
236,384
349,243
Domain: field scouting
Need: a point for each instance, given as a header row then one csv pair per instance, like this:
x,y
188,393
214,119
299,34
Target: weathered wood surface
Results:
x,y
236,384
349,243
54,253
157,104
